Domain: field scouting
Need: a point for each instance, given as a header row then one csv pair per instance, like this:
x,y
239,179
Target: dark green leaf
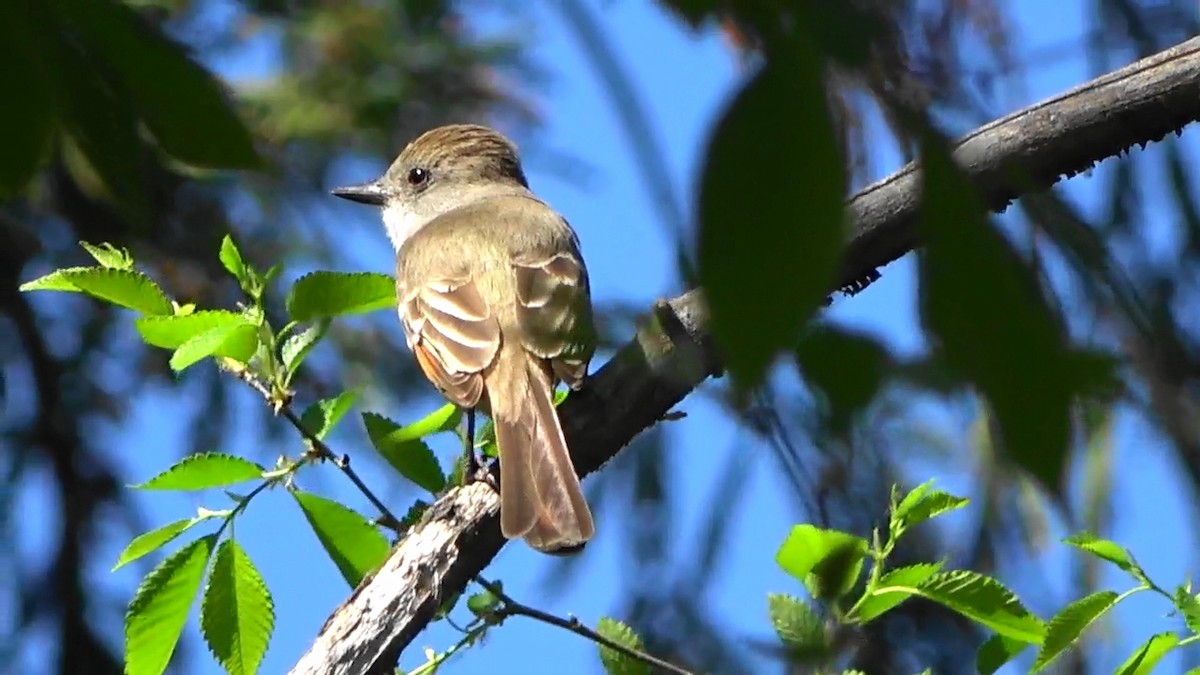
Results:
x,y
159,608
124,288
1064,628
320,417
771,214
200,472
406,452
170,332
153,540
329,294
829,562
799,628
997,651
614,662
352,542
237,615
237,342
192,118
994,325
25,127
847,367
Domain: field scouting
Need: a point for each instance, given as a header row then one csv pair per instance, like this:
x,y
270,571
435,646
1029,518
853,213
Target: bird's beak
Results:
x,y
367,193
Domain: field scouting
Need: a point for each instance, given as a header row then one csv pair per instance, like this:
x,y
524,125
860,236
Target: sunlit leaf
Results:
x,y
329,294
922,503
297,347
200,472
828,562
985,601
321,416
1103,549
1142,661
237,615
352,542
109,256
170,332
151,541
238,342
231,260
894,587
124,288
799,628
1065,628
159,608
614,662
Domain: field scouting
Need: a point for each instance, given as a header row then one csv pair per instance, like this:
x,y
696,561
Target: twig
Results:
x,y
510,607
321,450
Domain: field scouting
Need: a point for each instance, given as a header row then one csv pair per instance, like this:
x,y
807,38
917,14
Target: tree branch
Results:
x,y
672,353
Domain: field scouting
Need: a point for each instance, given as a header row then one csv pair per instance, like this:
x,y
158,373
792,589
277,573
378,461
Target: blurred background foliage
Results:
x,y
119,130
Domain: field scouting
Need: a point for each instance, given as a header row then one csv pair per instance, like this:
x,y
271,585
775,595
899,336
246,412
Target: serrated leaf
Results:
x,y
159,608
1103,549
109,256
482,603
125,288
329,294
985,601
170,332
231,260
405,451
614,662
829,562
352,542
322,416
238,342
1142,661
153,540
763,282
193,120
799,628
1189,606
297,347
997,651
894,587
921,504
203,471
1065,627
414,513
237,615
976,290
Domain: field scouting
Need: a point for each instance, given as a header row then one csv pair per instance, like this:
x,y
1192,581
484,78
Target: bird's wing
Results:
x,y
453,333
554,309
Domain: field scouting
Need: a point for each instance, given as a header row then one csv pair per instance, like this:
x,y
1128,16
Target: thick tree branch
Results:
x,y
672,354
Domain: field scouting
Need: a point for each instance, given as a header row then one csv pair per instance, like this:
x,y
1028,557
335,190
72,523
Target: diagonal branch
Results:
x,y
672,353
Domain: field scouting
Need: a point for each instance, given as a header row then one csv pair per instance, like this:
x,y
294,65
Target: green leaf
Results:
x,y
894,587
109,256
483,603
352,542
192,119
329,294
614,662
238,342
985,601
829,562
159,609
297,347
203,471
997,651
414,514
322,416
170,332
771,213
982,303
124,288
231,260
403,448
153,540
237,615
798,627
848,368
1065,627
1142,661
1104,549
920,505
1189,606
25,129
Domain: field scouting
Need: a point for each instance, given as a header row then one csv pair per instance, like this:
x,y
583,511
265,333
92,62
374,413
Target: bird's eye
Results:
x,y
417,176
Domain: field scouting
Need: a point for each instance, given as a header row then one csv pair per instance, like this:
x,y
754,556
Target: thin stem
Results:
x,y
510,607
319,448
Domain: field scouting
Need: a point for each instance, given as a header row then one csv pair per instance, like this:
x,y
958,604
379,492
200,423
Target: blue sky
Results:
x,y
684,80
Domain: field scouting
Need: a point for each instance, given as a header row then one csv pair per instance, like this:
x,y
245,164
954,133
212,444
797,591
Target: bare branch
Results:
x,y
672,354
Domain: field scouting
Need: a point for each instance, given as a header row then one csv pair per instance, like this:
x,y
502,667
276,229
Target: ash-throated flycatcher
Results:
x,y
493,296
